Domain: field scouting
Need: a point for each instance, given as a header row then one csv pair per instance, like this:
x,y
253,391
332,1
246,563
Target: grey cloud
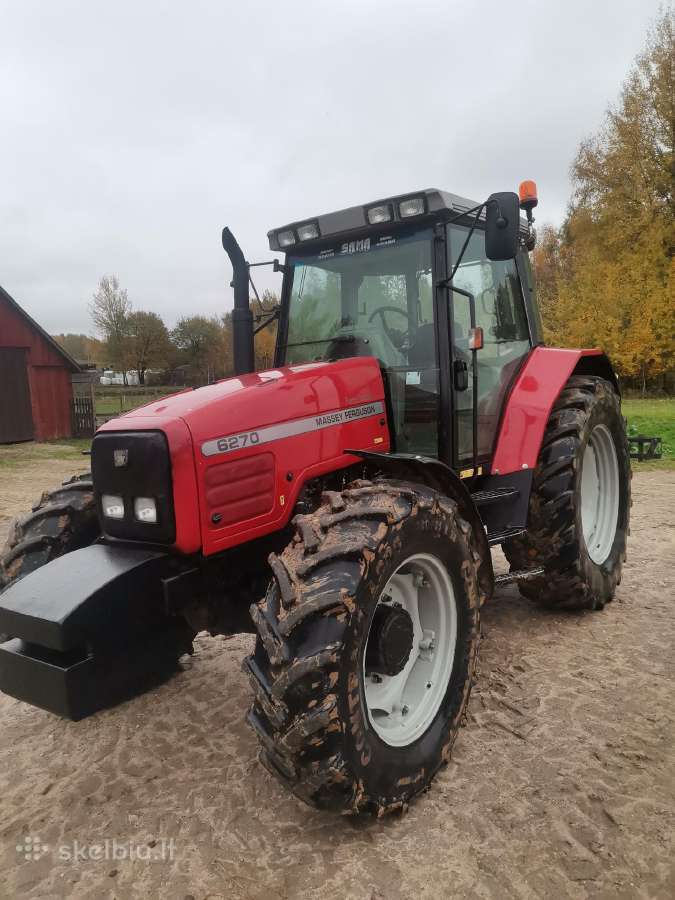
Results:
x,y
133,132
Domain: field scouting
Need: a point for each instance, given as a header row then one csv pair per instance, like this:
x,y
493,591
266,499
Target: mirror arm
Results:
x,y
275,315
446,282
276,265
477,209
531,239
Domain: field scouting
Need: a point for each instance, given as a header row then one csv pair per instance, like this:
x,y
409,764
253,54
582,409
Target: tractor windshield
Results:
x,y
367,297
372,297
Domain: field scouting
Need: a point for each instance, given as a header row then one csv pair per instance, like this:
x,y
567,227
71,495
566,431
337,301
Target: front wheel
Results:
x,y
62,520
367,642
580,502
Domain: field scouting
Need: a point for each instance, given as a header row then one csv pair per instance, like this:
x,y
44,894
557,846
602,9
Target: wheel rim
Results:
x,y
401,707
599,494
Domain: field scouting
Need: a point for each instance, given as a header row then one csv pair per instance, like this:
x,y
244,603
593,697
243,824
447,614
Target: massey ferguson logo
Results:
x,y
346,415
120,458
291,429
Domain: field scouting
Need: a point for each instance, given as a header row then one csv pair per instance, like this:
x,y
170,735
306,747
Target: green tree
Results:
x,y
201,341
148,342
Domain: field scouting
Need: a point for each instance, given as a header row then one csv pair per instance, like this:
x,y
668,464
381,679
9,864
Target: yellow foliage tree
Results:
x,y
607,276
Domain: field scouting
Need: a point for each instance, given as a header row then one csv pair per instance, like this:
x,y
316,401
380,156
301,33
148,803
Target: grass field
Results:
x,y
653,418
14,456
112,401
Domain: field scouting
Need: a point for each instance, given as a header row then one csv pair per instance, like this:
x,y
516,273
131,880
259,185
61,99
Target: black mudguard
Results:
x,y
436,475
90,629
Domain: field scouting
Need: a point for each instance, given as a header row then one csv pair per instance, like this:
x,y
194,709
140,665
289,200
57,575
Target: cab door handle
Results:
x,y
460,375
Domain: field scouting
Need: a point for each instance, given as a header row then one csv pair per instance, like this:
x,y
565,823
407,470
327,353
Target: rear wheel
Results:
x,y
580,501
367,642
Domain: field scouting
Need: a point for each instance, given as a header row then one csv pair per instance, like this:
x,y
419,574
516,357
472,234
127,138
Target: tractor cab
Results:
x,y
374,281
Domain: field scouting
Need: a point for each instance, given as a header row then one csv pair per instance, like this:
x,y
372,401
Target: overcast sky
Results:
x,y
131,132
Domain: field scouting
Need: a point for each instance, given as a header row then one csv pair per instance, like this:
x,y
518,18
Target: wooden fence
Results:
x,y
84,418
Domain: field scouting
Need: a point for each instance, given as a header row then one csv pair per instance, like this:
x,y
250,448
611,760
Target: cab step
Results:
x,y
498,537
496,495
518,576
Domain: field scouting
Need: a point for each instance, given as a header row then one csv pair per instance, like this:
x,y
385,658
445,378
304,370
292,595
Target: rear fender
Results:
x,y
529,404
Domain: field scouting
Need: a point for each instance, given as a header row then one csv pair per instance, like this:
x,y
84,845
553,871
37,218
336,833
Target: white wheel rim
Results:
x,y
402,707
599,494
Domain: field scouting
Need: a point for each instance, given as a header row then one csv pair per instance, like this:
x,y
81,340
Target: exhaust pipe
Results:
x,y
242,317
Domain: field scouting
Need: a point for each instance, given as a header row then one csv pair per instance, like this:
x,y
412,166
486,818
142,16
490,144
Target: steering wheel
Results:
x,y
397,338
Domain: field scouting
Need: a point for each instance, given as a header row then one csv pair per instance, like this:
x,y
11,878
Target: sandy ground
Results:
x,y
21,485
561,785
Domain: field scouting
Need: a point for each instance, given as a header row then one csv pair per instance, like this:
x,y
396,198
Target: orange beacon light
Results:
x,y
527,194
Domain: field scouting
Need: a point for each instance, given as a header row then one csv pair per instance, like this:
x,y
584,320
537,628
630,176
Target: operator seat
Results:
x,y
422,354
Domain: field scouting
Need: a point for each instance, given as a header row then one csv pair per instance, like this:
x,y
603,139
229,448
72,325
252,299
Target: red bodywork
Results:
x,y
529,404
246,488
253,489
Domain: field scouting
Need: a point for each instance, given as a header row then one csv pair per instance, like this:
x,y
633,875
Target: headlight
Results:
x,y
377,214
286,238
113,506
134,501
145,510
308,231
412,207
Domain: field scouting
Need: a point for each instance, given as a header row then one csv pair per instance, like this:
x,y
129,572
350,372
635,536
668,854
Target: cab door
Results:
x,y
463,371
486,295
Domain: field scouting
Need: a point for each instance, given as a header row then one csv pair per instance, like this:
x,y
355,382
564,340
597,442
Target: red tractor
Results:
x,y
341,505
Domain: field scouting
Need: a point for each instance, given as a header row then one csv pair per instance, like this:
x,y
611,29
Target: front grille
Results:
x,y
143,470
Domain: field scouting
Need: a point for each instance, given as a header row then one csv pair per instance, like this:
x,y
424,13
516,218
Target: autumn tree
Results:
x,y
226,349
614,264
547,264
82,347
265,310
148,342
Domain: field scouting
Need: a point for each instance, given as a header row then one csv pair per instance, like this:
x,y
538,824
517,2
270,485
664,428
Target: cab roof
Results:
x,y
354,218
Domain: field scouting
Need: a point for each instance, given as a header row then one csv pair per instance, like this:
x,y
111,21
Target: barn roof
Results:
x,y
11,302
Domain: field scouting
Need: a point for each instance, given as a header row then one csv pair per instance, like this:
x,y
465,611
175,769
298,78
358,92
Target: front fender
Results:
x,y
435,474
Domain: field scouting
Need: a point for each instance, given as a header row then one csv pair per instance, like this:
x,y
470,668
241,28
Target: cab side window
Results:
x,y
500,312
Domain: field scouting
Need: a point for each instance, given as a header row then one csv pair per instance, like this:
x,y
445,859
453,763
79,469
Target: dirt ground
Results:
x,y
562,784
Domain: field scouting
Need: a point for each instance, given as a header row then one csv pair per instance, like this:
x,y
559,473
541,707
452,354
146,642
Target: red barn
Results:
x,y
35,379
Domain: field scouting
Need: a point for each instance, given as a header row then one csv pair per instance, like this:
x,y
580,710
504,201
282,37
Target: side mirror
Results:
x,y
502,229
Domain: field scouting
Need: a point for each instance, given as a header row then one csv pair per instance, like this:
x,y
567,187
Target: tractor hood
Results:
x,y
241,449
